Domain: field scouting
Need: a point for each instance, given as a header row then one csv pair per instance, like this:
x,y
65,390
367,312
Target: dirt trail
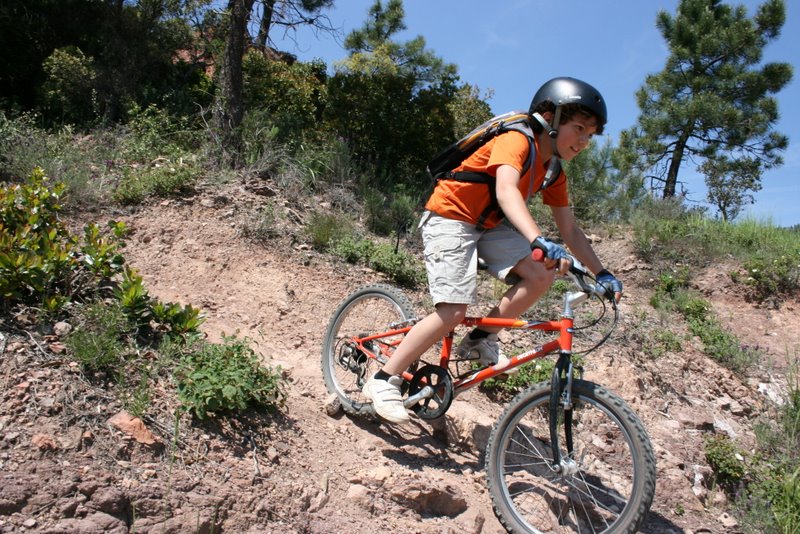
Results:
x,y
304,471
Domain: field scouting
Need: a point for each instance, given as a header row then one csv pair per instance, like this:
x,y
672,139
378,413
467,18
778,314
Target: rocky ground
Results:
x,y
72,461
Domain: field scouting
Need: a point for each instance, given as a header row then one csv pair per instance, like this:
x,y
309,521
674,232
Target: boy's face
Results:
x,y
574,135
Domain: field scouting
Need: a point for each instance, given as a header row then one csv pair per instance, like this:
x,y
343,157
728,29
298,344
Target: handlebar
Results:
x,y
577,272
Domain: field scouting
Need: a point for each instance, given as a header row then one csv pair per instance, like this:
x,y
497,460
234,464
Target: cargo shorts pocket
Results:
x,y
445,259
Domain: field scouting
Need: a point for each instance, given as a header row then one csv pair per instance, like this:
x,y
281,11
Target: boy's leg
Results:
x,y
534,281
423,335
451,261
508,254
383,389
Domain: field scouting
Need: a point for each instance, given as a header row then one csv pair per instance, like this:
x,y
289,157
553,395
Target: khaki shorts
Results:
x,y
452,249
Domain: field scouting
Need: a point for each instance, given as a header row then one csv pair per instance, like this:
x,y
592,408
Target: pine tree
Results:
x,y
712,104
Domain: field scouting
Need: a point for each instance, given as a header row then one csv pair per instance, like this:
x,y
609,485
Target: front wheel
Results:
x,y
605,484
368,310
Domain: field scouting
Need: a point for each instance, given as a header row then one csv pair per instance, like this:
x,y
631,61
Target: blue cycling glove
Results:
x,y
552,251
610,284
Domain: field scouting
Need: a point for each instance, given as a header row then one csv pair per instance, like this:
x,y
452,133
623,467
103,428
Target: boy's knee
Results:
x,y
452,314
534,274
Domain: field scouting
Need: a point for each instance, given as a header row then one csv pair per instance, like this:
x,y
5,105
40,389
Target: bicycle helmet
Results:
x,y
564,90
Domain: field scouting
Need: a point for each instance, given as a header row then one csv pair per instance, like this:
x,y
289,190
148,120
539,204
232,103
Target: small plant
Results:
x,y
97,344
134,299
532,373
727,461
662,342
773,278
401,267
325,229
177,319
163,179
139,400
226,377
260,226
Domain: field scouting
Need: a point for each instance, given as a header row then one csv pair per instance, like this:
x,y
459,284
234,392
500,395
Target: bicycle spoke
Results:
x,y
595,482
345,367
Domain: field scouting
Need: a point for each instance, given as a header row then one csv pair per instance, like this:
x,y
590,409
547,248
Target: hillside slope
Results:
x,y
65,468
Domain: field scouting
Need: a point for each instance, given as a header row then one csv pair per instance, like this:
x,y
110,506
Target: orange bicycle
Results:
x,y
565,455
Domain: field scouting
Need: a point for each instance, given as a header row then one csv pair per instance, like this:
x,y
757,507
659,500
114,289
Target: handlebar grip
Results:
x,y
537,254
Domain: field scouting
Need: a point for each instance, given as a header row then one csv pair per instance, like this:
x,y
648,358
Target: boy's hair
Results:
x,y
568,111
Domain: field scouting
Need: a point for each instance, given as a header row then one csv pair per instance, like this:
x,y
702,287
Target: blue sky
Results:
x,y
511,47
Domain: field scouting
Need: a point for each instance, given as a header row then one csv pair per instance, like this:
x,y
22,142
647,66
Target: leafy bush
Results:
x,y
390,214
162,179
69,92
226,377
290,96
726,459
773,278
41,263
661,342
401,267
527,375
152,133
324,229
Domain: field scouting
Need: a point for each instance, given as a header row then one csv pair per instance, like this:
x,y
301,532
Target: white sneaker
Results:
x,y
387,399
485,349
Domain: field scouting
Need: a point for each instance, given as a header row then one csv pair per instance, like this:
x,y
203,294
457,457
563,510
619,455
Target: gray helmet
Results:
x,y
566,90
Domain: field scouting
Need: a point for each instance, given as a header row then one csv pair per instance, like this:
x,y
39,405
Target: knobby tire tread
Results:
x,y
388,293
641,450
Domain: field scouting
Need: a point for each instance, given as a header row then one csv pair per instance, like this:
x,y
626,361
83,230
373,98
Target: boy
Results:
x,y
462,223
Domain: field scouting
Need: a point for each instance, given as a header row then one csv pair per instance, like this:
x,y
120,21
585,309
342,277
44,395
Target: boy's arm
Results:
x,y
576,240
513,205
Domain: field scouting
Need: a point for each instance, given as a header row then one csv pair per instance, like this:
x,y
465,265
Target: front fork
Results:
x,y
561,396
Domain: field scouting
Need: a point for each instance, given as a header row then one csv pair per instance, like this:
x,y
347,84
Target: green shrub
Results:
x,y
326,229
149,315
226,377
773,278
69,91
661,342
41,263
163,179
727,461
403,268
152,133
532,373
389,214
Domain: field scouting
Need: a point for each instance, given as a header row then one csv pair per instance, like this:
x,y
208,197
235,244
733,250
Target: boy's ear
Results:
x,y
548,116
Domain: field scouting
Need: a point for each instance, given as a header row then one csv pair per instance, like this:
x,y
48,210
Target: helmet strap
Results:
x,y
554,169
552,131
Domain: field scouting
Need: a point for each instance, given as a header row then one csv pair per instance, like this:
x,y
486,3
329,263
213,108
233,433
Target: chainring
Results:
x,y
442,383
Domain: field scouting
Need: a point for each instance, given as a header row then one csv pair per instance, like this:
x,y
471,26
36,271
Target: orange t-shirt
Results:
x,y
466,201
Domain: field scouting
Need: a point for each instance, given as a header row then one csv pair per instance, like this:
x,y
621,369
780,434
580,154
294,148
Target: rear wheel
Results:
x,y
368,310
605,484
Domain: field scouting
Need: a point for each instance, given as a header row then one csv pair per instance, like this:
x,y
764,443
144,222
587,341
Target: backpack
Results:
x,y
442,165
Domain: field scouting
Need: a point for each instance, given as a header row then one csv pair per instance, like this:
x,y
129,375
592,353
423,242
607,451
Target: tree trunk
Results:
x,y
674,166
266,21
229,107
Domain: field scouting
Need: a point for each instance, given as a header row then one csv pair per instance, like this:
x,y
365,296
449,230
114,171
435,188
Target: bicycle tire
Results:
x,y
369,309
614,484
